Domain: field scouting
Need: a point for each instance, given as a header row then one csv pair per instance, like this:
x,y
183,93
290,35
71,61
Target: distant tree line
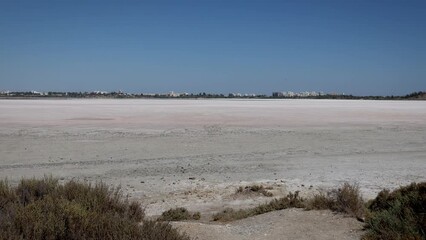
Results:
x,y
412,96
421,95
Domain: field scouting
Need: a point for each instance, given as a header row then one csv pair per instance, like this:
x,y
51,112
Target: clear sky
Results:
x,y
357,47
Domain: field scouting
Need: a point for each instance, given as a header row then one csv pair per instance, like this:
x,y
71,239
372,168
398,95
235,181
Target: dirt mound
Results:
x,y
284,224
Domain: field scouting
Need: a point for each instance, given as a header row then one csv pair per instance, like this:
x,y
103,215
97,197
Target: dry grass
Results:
x,y
44,209
290,201
254,189
179,214
346,199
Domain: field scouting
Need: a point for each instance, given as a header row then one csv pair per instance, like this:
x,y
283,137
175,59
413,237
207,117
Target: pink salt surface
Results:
x,y
191,113
152,147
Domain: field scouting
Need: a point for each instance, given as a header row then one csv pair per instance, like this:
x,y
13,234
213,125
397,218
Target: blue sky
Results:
x,y
357,47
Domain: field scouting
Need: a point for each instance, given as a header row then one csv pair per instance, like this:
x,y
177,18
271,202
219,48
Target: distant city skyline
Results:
x,y
354,47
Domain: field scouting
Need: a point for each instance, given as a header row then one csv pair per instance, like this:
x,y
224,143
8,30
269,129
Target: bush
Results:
x,y
347,199
290,201
30,190
179,214
399,214
320,201
44,209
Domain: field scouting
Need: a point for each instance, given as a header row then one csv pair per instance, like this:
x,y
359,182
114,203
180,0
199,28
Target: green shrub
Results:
x,y
160,231
30,190
44,209
179,214
7,195
400,214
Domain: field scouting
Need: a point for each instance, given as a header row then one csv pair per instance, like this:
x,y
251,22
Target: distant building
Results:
x,y
277,94
100,92
290,94
173,94
235,95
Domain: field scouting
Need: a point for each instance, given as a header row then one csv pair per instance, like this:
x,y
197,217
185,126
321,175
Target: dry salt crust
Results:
x,y
196,153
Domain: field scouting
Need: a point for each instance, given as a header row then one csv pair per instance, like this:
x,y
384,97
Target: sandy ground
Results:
x,y
285,224
195,153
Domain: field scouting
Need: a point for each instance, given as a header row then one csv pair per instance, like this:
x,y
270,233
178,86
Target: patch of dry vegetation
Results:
x,y
290,201
179,214
346,199
397,215
400,214
44,209
254,189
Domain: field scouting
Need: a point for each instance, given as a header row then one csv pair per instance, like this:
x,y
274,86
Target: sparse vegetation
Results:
x,y
397,215
400,214
45,209
179,214
290,201
254,189
346,199
320,201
